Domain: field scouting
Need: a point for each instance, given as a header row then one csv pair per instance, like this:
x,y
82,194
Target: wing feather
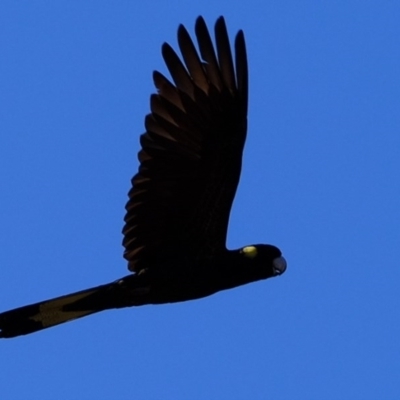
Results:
x,y
191,153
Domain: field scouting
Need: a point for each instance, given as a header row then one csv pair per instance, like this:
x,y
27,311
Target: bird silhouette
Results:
x,y
178,209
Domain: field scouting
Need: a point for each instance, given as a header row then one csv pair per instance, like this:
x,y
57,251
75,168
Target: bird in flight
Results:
x,y
178,209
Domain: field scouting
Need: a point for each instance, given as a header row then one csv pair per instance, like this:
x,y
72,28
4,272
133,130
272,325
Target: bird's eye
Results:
x,y
249,251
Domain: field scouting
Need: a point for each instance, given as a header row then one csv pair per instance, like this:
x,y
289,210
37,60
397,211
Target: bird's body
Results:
x,y
179,205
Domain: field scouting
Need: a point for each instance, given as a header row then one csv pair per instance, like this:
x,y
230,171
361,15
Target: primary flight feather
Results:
x,y
179,205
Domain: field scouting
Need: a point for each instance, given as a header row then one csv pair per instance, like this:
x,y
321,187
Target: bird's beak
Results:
x,y
279,265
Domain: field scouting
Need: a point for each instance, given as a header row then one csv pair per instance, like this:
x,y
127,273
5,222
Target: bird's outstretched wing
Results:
x,y
191,153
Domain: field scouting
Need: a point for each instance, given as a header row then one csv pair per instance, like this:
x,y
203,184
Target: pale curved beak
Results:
x,y
279,265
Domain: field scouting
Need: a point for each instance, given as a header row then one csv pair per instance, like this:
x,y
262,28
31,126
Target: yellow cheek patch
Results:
x,y
250,251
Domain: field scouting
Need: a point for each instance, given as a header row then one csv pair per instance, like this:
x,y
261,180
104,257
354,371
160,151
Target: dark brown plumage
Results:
x,y
178,209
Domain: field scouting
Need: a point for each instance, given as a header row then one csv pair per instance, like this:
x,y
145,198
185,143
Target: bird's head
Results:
x,y
264,259
250,264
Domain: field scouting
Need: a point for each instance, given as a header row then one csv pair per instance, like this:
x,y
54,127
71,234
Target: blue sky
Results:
x,y
320,180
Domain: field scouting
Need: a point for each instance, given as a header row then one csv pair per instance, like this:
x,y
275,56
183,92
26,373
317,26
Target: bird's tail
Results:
x,y
45,314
